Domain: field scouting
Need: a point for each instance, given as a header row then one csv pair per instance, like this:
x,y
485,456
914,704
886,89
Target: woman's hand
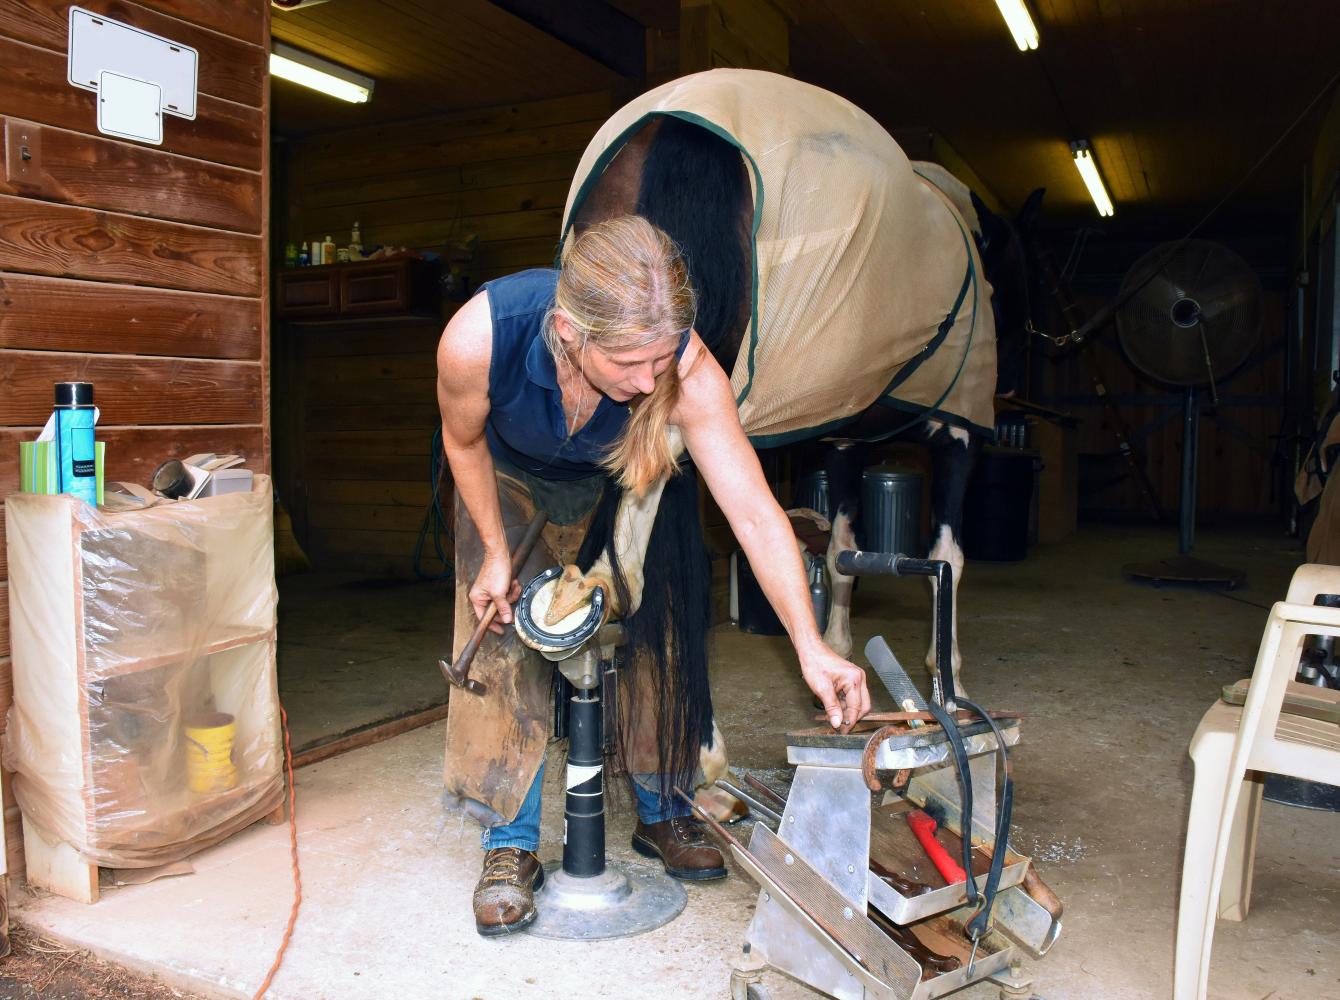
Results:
x,y
838,684
495,586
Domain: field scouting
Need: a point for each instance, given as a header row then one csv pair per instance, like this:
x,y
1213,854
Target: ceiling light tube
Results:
x,y
1088,170
320,74
1020,23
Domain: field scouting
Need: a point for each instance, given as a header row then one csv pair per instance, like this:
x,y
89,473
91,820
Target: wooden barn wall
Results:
x,y
356,399
141,269
1238,478
745,34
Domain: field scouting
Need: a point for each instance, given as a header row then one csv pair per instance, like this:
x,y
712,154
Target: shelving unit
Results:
x,y
126,628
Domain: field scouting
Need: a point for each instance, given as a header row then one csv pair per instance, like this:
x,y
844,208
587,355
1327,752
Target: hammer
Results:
x,y
458,673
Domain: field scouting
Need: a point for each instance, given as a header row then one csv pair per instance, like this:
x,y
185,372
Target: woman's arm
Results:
x,y
463,357
710,423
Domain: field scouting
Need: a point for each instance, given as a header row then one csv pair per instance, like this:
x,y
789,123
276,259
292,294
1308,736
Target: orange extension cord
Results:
x,y
293,850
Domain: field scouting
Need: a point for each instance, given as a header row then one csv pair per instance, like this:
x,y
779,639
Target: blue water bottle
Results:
x,y
74,440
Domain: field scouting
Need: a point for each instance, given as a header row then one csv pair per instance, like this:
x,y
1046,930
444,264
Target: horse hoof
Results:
x,y
721,805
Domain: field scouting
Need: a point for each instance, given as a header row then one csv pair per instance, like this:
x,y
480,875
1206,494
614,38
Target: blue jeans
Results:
x,y
524,831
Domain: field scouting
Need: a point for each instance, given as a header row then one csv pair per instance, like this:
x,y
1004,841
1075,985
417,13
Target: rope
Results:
x,y
293,853
433,518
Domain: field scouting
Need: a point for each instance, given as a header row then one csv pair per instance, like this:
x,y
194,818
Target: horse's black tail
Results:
x,y
694,188
667,636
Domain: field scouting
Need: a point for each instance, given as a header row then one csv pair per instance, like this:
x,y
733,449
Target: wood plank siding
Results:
x,y
1238,450
142,269
356,399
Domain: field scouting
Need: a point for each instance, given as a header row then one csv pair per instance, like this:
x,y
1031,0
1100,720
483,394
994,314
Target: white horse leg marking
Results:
x,y
956,433
947,548
837,636
720,804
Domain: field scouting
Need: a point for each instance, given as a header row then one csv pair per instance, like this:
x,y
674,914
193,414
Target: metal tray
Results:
x,y
909,909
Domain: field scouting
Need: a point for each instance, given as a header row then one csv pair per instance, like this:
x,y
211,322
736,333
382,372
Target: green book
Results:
x,y
37,467
46,476
26,449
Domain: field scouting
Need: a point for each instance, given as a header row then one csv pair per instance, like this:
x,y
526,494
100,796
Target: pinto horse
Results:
x,y
839,285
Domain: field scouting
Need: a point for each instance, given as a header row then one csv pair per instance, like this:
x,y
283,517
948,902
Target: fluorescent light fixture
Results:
x,y
1020,23
1088,169
320,74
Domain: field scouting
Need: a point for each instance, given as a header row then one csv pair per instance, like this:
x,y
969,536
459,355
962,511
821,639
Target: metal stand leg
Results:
x,y
589,898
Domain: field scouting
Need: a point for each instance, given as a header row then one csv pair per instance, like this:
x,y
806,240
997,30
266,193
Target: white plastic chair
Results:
x,y
1233,749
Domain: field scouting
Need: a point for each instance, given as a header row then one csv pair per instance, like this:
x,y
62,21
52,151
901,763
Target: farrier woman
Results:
x,y
549,383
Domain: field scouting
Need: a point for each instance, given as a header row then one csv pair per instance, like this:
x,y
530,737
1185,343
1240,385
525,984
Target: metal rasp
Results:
x,y
895,678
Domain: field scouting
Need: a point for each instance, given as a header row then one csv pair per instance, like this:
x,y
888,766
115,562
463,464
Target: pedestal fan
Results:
x,y
1190,317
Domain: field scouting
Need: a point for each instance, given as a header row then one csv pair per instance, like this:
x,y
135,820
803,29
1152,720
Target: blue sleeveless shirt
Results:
x,y
526,425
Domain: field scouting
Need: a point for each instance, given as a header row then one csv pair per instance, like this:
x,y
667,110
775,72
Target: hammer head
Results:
x,y
457,678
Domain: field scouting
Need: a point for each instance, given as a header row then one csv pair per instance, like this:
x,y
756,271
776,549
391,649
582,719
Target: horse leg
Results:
x,y
843,465
720,804
952,453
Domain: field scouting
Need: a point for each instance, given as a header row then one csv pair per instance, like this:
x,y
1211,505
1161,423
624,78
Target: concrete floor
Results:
x,y
354,651
1112,677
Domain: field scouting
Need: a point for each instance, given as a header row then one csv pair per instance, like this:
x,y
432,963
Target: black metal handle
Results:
x,y
853,562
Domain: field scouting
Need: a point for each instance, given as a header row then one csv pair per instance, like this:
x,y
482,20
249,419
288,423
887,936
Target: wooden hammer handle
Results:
x,y
1041,893
519,556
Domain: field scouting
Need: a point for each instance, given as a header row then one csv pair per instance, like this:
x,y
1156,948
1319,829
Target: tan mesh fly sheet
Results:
x,y
858,261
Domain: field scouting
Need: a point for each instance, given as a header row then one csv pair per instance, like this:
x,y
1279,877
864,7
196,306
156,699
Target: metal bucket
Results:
x,y
812,492
891,511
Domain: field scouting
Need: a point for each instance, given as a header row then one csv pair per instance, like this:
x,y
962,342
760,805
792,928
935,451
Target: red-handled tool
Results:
x,y
923,827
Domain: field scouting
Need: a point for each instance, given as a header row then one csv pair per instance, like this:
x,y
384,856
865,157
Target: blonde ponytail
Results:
x,y
642,453
624,285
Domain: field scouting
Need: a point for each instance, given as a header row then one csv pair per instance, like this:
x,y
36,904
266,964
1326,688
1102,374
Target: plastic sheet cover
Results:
x,y
857,259
145,721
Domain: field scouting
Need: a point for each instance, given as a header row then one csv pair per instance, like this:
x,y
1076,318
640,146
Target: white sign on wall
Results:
x,y
138,76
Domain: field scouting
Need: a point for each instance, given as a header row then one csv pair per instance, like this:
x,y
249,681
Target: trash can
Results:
x,y
752,612
891,511
812,492
996,509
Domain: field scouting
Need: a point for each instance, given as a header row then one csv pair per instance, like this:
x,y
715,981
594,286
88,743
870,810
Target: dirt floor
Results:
x,y
354,651
41,969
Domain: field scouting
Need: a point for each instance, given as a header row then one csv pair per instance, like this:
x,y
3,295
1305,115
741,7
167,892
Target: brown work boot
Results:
x,y
505,895
681,844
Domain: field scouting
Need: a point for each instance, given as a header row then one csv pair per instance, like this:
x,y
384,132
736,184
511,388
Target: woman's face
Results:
x,y
620,375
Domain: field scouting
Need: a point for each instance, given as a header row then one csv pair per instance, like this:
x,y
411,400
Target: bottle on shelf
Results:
x,y
76,463
356,243
304,256
317,259
328,251
290,255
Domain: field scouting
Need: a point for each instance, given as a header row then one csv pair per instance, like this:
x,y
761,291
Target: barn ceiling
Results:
x,y
1178,97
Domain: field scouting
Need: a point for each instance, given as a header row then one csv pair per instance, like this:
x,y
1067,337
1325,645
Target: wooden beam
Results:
x,y
57,867
592,27
62,241
368,735
222,132
72,168
134,319
229,68
138,390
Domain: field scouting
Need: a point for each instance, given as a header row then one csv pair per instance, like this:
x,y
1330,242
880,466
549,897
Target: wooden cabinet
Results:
x,y
405,286
308,291
146,716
